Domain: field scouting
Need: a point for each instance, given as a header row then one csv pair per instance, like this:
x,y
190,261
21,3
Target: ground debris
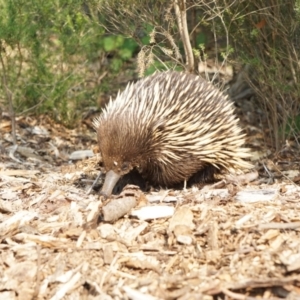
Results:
x,y
203,243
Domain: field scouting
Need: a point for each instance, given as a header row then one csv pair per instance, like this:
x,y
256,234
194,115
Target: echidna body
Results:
x,y
169,126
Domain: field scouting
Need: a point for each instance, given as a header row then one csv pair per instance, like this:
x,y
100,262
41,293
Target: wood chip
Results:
x,y
82,154
217,241
117,208
153,212
251,196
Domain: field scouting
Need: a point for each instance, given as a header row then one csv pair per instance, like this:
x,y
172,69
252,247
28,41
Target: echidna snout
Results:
x,y
170,126
111,180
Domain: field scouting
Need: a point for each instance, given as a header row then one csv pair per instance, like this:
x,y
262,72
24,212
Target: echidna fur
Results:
x,y
170,126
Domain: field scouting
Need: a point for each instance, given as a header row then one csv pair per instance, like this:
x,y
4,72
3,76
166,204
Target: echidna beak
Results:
x,y
111,179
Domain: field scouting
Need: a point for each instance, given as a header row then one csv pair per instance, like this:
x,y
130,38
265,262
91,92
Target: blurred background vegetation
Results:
x,y
63,57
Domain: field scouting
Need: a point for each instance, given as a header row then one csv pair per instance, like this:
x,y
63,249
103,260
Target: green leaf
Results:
x,y
111,43
116,64
125,53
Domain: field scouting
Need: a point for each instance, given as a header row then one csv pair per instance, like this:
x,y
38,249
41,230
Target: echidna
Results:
x,y
170,126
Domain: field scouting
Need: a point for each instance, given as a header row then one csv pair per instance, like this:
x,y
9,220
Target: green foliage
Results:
x,y
122,48
159,66
293,126
53,52
201,39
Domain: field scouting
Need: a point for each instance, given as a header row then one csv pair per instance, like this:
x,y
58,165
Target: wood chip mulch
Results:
x,y
231,240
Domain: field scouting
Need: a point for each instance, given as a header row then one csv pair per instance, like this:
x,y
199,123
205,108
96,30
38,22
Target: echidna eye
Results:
x,y
125,166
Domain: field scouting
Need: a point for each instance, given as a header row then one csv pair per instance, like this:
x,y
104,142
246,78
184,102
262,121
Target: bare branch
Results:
x,y
180,11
